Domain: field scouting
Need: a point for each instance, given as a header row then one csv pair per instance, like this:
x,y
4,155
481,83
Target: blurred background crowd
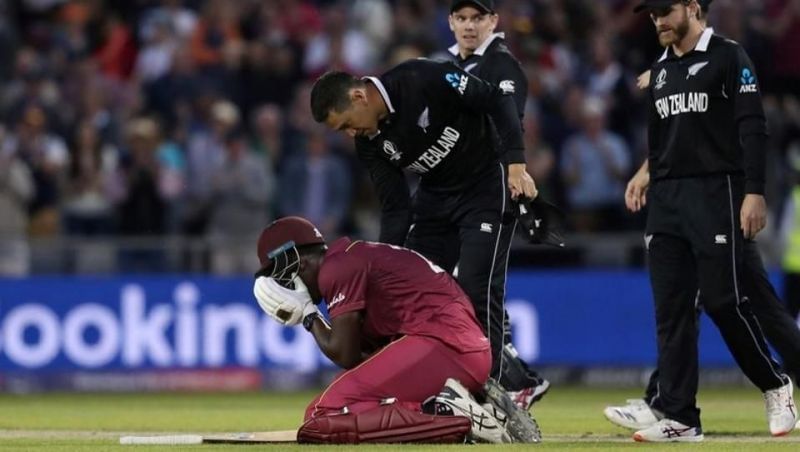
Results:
x,y
156,135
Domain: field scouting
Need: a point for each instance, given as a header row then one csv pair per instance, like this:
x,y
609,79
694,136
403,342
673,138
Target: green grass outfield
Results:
x,y
571,419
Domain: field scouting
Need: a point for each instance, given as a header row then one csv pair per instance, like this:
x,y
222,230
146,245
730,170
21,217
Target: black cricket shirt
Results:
x,y
706,116
439,128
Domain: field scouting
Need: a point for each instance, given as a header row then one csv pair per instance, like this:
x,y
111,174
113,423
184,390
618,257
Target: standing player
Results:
x,y
402,327
707,133
436,120
779,327
484,54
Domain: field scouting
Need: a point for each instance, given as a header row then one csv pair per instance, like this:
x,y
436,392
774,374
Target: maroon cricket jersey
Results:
x,y
400,292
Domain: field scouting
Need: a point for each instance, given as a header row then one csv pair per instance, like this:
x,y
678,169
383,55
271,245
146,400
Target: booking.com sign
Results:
x,y
152,323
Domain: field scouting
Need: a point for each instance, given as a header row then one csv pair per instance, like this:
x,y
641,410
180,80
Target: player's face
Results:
x,y
471,27
358,120
672,23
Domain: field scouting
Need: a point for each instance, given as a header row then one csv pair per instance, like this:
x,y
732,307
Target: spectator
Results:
x,y
141,210
16,191
157,49
539,156
241,188
270,75
117,52
268,138
180,20
339,46
594,164
205,153
608,80
215,34
170,96
87,207
47,158
315,184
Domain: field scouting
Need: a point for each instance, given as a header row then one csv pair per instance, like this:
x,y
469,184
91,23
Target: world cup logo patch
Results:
x,y
391,150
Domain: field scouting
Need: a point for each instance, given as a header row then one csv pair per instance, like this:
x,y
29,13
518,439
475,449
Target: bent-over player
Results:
x,y
438,121
403,329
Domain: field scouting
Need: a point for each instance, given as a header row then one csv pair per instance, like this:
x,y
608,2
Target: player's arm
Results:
x,y
463,90
636,190
745,91
506,73
341,342
392,190
343,283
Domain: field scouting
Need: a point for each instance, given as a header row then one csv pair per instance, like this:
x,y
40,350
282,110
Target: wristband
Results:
x,y
308,321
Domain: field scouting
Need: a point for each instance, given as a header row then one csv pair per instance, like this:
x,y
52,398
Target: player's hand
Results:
x,y
520,183
753,215
286,306
643,80
636,191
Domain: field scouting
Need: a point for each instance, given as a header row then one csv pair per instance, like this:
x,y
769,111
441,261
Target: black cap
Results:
x,y
484,6
650,4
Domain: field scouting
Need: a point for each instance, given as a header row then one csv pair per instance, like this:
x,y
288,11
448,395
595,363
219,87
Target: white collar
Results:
x,y
482,48
701,46
381,89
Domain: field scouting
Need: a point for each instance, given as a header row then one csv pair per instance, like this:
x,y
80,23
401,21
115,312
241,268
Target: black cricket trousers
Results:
x,y
772,315
477,217
694,242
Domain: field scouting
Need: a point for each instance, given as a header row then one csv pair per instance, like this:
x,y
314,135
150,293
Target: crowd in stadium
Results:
x,y
191,118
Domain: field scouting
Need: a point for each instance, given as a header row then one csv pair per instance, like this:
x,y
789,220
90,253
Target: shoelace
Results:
x,y
777,400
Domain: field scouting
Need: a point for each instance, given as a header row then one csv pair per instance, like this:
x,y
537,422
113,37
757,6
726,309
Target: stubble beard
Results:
x,y
677,35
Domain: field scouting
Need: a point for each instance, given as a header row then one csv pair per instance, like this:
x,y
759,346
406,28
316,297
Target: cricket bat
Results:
x,y
280,436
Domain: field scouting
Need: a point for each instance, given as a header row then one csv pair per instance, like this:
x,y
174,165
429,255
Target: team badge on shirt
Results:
x,y
695,69
391,150
662,79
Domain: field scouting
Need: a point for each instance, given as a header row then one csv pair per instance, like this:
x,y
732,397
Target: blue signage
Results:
x,y
587,318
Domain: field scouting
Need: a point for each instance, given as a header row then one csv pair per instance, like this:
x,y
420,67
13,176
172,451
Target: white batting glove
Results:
x,y
285,305
310,307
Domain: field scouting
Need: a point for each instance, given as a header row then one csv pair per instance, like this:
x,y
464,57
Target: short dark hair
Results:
x,y
331,93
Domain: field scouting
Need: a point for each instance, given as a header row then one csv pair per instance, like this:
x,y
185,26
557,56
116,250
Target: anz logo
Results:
x,y
457,81
748,82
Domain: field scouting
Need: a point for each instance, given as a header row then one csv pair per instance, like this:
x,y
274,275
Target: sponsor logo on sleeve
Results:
x,y
457,81
507,86
748,82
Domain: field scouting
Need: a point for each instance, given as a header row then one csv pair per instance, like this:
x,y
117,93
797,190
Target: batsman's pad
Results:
x,y
384,424
542,222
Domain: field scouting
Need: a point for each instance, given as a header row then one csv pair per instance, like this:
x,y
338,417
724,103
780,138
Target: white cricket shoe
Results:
x,y
485,427
781,411
635,415
669,431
